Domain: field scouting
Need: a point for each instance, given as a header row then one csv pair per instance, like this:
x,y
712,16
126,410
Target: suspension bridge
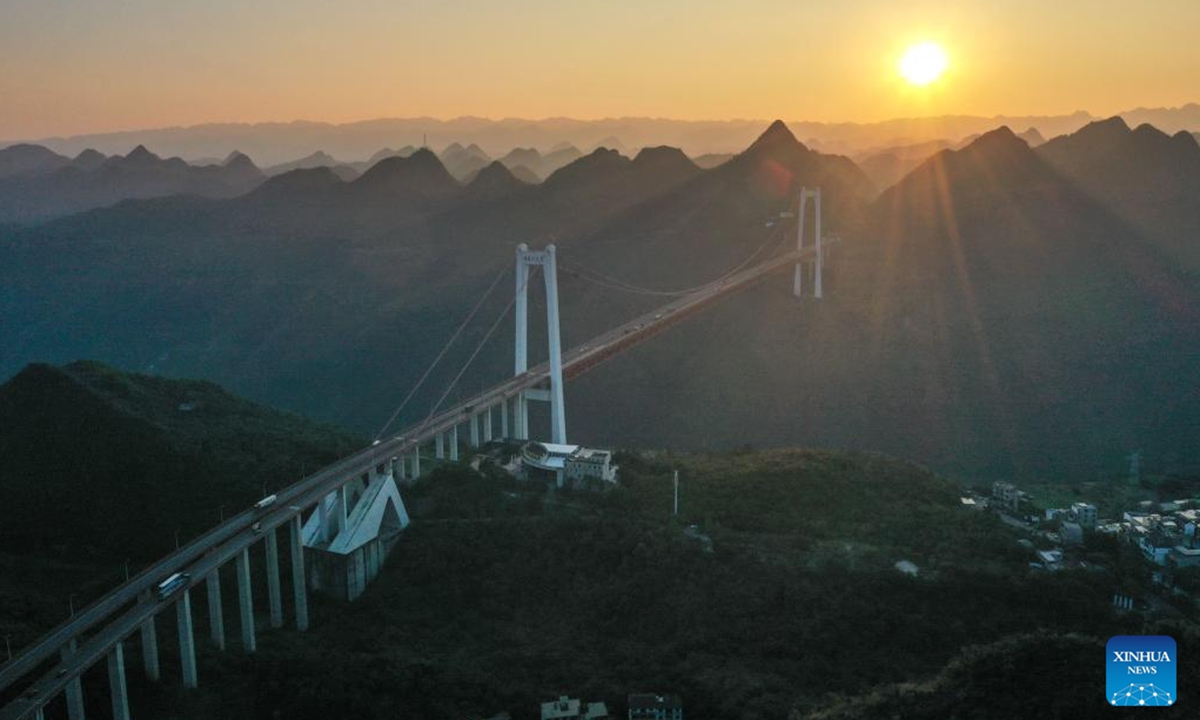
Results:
x,y
321,510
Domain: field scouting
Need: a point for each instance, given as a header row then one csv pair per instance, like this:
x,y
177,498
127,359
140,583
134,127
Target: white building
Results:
x,y
1006,495
1155,547
590,464
1050,557
1183,556
573,463
1084,514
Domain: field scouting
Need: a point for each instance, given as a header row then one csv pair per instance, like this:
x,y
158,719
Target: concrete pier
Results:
x,y
273,596
454,444
416,468
74,691
150,649
798,271
798,276
817,293
439,447
558,409
520,417
521,347
246,601
116,682
487,425
474,431
187,643
298,582
504,419
216,614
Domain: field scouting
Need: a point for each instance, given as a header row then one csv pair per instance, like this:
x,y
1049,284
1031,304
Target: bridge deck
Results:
x,y
210,551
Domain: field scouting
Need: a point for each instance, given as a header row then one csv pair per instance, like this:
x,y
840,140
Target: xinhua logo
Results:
x,y
1141,671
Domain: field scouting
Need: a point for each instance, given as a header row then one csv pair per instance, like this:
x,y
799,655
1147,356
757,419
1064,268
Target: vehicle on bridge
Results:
x,y
173,584
265,503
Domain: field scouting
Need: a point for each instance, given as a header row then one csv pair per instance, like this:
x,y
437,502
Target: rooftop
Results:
x,y
650,701
563,707
559,449
584,453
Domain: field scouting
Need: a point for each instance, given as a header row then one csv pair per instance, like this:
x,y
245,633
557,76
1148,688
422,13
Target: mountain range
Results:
x,y
886,166
991,313
36,184
279,142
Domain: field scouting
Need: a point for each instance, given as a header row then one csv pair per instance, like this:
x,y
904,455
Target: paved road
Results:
x,y
224,542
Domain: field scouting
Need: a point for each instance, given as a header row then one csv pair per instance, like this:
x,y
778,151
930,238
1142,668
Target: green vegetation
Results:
x,y
99,469
501,595
773,593
1112,496
1023,676
100,464
865,509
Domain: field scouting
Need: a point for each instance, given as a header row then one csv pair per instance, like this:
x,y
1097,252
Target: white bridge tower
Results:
x,y
797,281
558,419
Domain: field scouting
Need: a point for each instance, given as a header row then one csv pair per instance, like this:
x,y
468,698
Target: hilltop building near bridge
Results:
x,y
578,466
651,706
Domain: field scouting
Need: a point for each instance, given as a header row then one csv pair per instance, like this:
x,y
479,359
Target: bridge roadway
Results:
x,y
210,551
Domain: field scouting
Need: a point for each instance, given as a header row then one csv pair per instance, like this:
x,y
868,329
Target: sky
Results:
x,y
70,67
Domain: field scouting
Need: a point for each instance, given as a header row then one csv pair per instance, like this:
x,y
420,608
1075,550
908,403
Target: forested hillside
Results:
x,y
773,594
100,465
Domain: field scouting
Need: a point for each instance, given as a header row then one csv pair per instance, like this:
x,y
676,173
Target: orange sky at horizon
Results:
x,y
74,68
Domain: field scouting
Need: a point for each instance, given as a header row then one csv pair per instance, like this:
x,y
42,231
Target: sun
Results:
x,y
923,63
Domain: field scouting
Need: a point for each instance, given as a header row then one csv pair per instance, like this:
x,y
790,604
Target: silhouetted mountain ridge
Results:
x,y
1149,179
464,162
1032,137
125,460
418,176
987,314
89,159
26,159
989,261
494,180
775,139
95,181
295,185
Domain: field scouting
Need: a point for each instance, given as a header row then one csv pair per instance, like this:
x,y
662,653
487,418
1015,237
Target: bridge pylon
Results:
x,y
819,261
558,421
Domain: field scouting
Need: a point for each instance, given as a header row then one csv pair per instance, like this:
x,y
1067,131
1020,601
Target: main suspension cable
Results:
x,y
478,349
440,355
602,280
